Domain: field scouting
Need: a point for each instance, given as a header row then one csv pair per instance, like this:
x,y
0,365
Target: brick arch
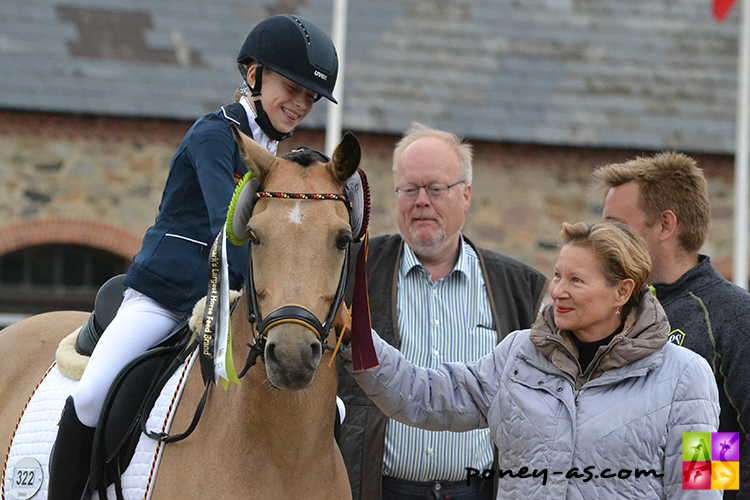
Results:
x,y
71,232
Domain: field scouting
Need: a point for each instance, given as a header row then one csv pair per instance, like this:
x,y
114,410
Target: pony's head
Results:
x,y
298,247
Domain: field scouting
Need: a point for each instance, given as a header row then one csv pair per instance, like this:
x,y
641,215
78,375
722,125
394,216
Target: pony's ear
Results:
x,y
345,159
259,161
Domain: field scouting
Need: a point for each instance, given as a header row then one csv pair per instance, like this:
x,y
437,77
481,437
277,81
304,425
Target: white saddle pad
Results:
x,y
36,431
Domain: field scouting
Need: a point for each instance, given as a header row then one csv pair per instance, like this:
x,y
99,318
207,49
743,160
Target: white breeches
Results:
x,y
140,323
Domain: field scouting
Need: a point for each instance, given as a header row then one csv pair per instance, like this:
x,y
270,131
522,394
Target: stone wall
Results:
x,y
82,170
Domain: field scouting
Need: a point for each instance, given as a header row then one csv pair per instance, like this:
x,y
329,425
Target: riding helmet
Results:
x,y
295,48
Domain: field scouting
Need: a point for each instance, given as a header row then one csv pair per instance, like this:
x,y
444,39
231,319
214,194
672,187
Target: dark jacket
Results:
x,y
711,316
515,294
172,265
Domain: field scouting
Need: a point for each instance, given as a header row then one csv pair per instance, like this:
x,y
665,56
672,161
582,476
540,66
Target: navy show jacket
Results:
x,y
172,265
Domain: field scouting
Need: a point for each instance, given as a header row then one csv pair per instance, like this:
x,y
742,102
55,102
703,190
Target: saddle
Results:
x,y
133,392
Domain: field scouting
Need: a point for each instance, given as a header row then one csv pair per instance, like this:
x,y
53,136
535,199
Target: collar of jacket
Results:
x,y
236,113
646,331
695,279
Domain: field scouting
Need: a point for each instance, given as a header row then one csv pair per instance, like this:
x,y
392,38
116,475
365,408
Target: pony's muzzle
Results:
x,y
292,355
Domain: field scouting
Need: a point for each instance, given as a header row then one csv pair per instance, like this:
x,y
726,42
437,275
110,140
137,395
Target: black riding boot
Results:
x,y
70,460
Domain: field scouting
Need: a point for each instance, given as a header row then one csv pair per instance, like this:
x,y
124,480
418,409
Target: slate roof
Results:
x,y
596,73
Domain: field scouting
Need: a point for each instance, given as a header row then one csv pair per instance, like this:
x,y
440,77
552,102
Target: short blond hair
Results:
x,y
666,181
416,131
621,253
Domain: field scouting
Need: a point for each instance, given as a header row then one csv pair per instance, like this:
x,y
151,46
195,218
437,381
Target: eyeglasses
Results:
x,y
434,191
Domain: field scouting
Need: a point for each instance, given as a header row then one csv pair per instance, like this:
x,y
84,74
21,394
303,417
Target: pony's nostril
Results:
x,y
270,354
316,349
316,354
311,358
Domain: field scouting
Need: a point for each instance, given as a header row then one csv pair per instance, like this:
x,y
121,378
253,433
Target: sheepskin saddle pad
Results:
x,y
25,471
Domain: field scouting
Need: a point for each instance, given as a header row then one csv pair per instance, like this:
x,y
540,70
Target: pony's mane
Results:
x,y
305,156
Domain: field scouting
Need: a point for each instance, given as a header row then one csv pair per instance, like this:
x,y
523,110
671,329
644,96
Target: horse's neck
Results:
x,y
256,442
298,421
306,415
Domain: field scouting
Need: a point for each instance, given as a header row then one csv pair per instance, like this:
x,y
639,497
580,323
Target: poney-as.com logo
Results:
x,y
710,461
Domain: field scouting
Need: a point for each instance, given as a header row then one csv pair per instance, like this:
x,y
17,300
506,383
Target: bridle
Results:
x,y
290,313
356,198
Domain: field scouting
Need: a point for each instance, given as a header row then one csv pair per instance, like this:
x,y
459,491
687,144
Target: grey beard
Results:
x,y
429,249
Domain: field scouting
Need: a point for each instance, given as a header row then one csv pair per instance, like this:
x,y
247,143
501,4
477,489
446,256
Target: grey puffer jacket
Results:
x,y
624,416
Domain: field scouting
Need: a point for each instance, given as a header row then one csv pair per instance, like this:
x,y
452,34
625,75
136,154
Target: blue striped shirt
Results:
x,y
449,320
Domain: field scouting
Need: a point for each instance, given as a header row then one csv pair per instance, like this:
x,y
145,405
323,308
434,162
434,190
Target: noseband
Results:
x,y
291,313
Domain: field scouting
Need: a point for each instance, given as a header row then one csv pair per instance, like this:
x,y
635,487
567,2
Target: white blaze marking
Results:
x,y
295,216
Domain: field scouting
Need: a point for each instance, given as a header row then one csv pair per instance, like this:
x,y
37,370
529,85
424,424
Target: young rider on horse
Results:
x,y
288,63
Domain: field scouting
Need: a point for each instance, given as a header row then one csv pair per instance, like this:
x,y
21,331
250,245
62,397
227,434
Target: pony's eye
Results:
x,y
343,240
253,237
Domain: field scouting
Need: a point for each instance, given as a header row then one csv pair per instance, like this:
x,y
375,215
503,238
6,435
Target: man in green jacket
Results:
x,y
664,198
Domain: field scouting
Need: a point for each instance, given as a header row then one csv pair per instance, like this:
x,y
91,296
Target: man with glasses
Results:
x,y
438,298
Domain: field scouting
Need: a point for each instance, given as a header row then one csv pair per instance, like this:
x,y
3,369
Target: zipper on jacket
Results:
x,y
599,359
577,392
588,379
558,341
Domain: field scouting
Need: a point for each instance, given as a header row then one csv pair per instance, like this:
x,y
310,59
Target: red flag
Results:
x,y
722,8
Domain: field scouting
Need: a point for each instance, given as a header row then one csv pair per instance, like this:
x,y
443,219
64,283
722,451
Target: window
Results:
x,y
55,277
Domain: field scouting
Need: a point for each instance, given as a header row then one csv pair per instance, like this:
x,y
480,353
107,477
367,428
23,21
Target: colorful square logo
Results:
x,y
696,446
725,446
725,475
696,475
710,460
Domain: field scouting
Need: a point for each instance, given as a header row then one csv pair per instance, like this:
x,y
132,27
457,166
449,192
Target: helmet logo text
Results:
x,y
321,75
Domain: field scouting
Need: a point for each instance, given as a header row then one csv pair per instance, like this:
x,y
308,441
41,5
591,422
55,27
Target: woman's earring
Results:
x,y
618,310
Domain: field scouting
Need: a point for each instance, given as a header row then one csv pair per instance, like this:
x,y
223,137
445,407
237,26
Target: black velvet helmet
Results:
x,y
296,49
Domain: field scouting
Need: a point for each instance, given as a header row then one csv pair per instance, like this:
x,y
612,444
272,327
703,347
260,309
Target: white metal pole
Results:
x,y
739,271
338,35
